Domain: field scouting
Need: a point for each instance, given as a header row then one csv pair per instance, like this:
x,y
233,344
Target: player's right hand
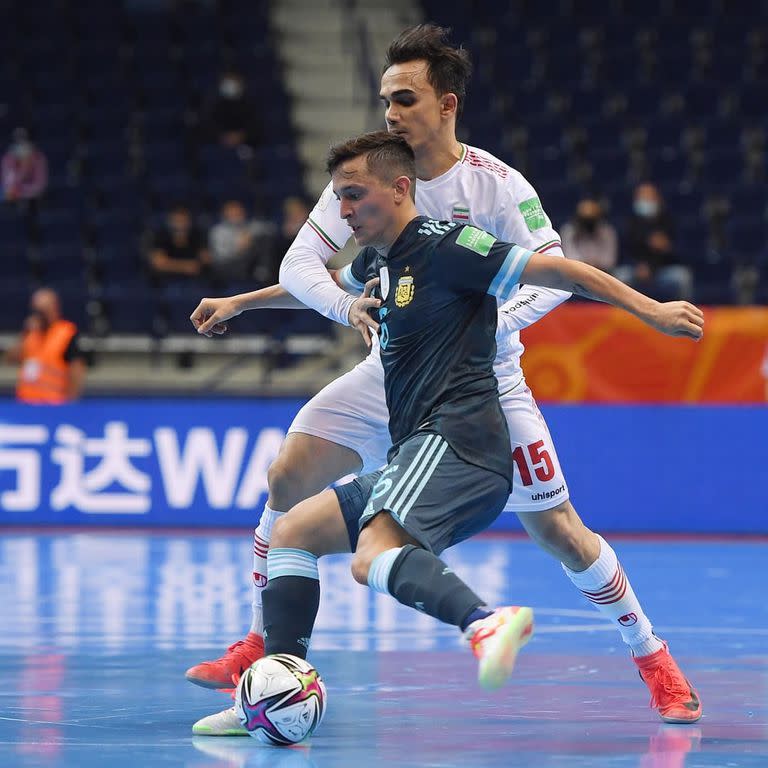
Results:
x,y
679,318
359,316
210,315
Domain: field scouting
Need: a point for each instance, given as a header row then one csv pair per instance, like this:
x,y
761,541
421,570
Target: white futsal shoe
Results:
x,y
225,723
496,640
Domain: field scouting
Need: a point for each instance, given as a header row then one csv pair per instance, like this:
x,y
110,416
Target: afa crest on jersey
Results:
x,y
404,291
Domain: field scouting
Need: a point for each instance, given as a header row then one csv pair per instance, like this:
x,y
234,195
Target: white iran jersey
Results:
x,y
479,190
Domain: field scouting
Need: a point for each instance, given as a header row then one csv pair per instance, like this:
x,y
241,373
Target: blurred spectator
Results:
x,y
24,169
588,237
296,211
652,265
241,248
179,249
231,118
52,369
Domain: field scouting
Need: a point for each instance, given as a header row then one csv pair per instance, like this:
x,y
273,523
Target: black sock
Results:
x,y
290,605
476,615
423,581
290,601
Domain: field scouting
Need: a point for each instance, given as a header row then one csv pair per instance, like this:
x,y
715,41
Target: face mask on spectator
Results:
x,y
646,208
587,224
230,88
22,148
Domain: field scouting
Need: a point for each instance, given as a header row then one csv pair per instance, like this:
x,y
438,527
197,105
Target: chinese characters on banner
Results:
x,y
64,468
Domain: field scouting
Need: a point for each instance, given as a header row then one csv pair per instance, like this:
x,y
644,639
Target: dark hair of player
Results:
x,y
387,156
449,67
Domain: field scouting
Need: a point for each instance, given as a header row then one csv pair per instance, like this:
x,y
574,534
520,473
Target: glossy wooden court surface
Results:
x,y
97,630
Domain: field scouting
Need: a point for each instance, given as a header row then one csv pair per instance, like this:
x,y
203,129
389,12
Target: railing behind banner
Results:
x,y
204,463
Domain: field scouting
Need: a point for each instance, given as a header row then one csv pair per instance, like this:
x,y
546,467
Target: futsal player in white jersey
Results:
x,y
343,429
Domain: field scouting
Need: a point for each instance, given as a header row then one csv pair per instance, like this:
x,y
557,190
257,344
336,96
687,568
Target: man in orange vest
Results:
x,y
52,369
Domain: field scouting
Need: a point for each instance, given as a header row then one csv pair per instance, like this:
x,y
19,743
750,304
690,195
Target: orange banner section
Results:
x,y
586,352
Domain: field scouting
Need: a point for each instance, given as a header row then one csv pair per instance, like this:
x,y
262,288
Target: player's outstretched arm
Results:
x,y
303,270
210,315
675,318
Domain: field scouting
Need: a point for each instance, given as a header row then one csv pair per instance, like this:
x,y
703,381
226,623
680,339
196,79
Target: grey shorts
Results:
x,y
437,497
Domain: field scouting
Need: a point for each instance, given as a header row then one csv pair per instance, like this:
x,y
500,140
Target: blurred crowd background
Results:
x,y
160,151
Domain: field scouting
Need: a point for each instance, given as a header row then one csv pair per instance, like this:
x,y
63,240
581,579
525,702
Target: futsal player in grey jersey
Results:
x,y
449,470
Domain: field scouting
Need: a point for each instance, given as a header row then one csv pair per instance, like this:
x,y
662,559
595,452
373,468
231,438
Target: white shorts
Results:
x,y
352,411
538,483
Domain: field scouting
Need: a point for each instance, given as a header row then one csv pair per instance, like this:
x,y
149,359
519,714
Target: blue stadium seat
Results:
x,y
691,237
752,100
609,164
701,100
546,166
220,162
162,159
587,103
13,228
131,312
162,125
723,132
15,302
685,205
60,226
106,159
723,165
666,166
746,238
750,201
165,190
15,270
60,261
558,200
115,225
663,132
118,263
122,196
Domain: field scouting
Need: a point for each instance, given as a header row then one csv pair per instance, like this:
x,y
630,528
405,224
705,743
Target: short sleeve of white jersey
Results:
x,y
526,223
521,219
302,271
484,191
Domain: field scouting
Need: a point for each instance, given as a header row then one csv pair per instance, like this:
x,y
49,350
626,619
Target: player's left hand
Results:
x,y
359,316
210,315
679,318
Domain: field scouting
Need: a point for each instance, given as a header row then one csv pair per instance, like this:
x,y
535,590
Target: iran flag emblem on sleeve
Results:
x,y
460,214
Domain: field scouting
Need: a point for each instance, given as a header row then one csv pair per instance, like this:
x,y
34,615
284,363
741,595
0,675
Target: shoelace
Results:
x,y
234,648
477,640
669,681
231,691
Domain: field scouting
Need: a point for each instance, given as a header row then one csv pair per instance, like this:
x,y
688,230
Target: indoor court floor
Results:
x,y
97,629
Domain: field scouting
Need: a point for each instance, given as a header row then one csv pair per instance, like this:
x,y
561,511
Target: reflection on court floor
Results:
x,y
98,628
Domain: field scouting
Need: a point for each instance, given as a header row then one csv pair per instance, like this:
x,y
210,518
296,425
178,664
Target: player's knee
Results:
x,y
361,565
285,483
285,533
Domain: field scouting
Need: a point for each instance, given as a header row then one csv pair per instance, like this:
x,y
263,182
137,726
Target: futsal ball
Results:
x,y
280,699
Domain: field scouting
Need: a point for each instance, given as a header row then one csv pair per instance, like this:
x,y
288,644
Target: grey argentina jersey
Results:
x,y
437,335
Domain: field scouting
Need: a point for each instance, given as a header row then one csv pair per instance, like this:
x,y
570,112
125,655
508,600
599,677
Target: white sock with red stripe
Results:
x,y
607,587
261,537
